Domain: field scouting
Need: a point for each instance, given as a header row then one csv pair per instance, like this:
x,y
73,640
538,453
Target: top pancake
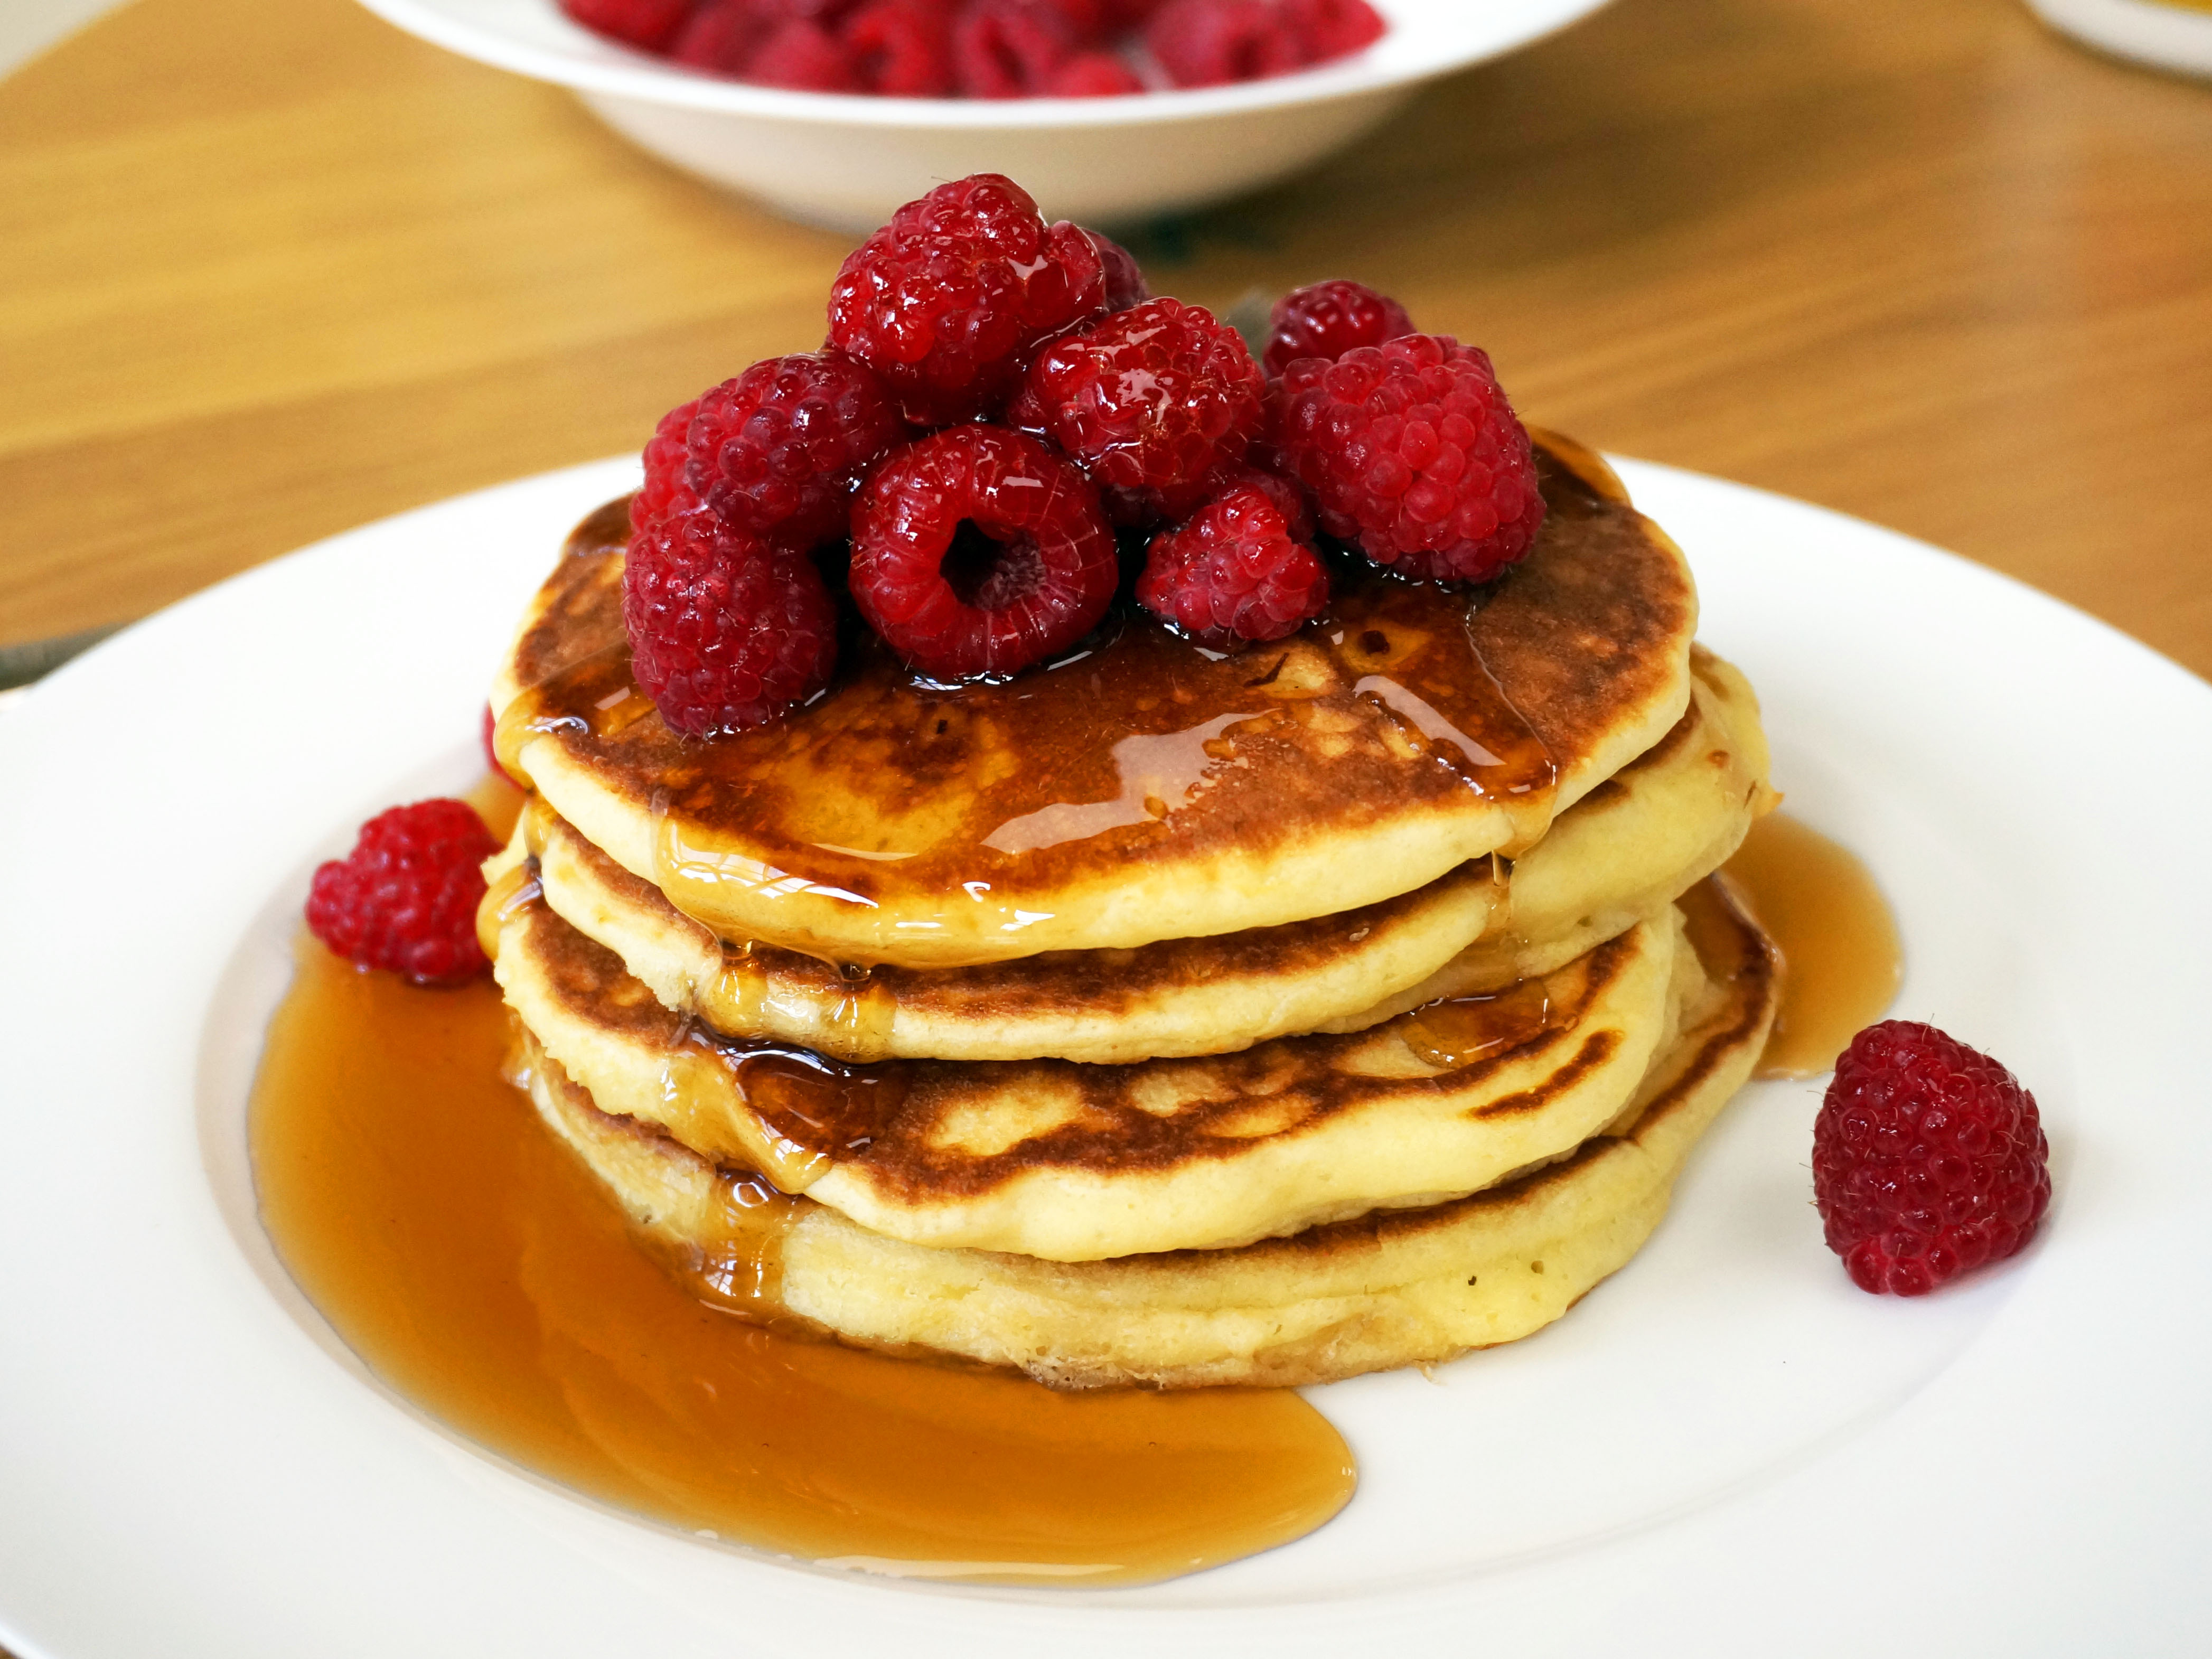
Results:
x,y
1142,788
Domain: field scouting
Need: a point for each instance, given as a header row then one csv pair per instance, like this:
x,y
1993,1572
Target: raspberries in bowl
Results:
x,y
994,48
1062,118
1002,417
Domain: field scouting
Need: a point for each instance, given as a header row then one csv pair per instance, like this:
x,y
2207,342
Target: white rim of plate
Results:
x,y
188,1472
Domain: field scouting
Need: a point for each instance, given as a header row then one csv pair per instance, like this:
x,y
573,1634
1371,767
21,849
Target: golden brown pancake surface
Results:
x,y
1391,1288
1141,788
1660,824
1076,1162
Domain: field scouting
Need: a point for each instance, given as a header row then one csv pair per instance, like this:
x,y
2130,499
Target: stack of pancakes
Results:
x,y
1158,1016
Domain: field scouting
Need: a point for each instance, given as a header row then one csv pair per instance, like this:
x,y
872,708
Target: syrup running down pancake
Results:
x,y
1075,1162
1157,1015
1632,845
1393,1288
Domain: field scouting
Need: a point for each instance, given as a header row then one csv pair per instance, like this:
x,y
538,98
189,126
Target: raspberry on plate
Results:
x,y
1234,572
405,898
979,551
1327,319
1412,451
1929,1159
1152,397
726,630
778,450
947,302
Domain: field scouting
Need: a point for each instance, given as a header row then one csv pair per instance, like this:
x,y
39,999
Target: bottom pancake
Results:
x,y
1393,1288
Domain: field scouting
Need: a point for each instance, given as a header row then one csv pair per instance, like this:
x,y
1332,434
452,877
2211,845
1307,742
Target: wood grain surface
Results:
x,y
269,269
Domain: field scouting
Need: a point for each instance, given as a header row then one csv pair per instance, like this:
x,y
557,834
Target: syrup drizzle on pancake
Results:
x,y
1130,745
817,1109
1461,1030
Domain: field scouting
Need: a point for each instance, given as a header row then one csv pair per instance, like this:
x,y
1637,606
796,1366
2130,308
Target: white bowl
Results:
x,y
848,161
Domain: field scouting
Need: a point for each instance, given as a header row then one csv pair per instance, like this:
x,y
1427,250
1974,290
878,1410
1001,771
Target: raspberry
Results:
x,y
1333,28
726,630
1411,450
1149,398
1138,507
978,551
804,55
1233,572
1010,48
405,897
824,12
1093,75
1211,43
1290,500
777,451
667,489
1089,21
1327,319
718,37
1125,278
1927,1159
647,23
947,301
902,48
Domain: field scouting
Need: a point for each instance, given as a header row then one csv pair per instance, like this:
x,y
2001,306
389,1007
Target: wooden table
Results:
x,y
273,268
269,269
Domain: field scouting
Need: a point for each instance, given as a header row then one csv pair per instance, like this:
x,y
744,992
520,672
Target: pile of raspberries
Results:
x,y
1001,420
987,48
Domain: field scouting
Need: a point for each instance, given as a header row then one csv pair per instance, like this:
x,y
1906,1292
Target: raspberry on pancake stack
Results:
x,y
1052,844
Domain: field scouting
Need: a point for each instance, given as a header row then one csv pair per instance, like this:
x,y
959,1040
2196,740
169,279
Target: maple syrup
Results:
x,y
1461,1030
479,1270
901,820
1841,958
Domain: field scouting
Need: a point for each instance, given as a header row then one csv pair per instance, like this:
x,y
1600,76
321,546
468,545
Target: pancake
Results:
x,y
1174,997
1072,1162
1141,788
1394,1288
1664,822
1625,852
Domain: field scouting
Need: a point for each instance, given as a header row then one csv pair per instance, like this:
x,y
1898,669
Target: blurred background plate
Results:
x,y
846,162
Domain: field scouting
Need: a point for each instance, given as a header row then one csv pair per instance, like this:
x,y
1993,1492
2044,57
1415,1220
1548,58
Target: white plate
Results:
x,y
1725,1450
848,161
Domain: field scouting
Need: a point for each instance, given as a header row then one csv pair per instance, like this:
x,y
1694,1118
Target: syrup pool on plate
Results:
x,y
479,1271
1841,958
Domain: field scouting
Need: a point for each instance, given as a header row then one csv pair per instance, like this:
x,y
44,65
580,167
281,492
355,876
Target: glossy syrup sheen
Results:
x,y
477,1267
1841,958
892,792
1458,1031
